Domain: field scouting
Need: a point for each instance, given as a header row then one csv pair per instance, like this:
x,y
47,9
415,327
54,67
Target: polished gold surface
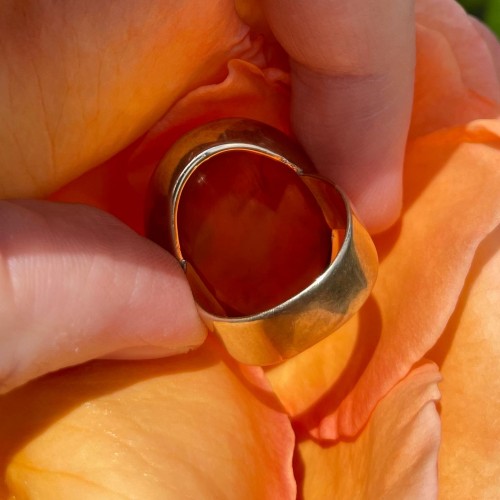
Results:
x,y
311,315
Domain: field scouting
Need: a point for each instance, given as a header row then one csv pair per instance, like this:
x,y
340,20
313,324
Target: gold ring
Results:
x,y
274,254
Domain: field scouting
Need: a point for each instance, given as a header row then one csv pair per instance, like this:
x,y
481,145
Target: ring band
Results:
x,y
288,328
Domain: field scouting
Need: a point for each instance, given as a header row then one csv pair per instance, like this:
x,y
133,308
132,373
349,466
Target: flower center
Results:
x,y
252,233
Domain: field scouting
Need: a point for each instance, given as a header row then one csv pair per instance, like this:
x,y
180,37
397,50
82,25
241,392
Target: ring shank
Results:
x,y
310,316
314,313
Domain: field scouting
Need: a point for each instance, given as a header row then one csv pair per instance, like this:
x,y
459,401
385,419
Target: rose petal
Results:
x,y
395,456
329,369
468,353
456,79
491,41
252,14
195,426
441,229
470,49
119,186
452,190
82,81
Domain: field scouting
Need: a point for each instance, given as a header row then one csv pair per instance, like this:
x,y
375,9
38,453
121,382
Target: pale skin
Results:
x,y
75,284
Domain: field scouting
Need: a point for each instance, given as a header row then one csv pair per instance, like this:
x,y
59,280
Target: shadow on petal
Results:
x,y
183,427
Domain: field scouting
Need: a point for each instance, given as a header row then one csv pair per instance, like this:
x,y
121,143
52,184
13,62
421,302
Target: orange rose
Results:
x,y
361,405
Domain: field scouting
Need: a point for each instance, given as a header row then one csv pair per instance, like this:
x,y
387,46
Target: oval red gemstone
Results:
x,y
252,232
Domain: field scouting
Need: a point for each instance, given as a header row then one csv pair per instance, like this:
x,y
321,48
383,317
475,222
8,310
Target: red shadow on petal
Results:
x,y
367,338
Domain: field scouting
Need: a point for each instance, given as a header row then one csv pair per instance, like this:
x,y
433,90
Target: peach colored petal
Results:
x,y
395,456
82,81
470,49
468,352
452,188
329,369
456,77
450,206
195,426
252,14
120,185
491,42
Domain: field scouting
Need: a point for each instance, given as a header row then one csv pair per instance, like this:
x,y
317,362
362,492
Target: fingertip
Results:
x,y
79,285
379,205
161,311
355,129
352,94
375,193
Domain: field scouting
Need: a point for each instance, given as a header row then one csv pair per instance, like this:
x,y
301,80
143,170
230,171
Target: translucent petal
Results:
x,y
394,456
468,352
195,426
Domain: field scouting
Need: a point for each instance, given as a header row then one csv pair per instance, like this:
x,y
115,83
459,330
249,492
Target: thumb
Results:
x,y
352,88
76,284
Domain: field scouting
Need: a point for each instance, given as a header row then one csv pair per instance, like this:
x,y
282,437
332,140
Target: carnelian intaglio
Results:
x,y
252,231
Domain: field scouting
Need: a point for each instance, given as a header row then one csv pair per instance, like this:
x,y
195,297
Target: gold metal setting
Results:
x,y
317,311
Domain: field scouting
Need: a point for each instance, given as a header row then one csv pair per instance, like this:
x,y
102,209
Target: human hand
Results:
x,y
450,198
50,325
77,284
352,66
79,82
